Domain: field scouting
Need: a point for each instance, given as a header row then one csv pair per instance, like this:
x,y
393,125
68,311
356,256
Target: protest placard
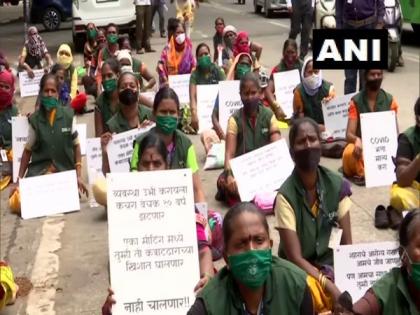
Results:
x,y
379,146
81,131
181,85
28,86
94,159
284,84
335,114
206,96
229,101
120,149
358,266
152,236
262,170
20,128
49,194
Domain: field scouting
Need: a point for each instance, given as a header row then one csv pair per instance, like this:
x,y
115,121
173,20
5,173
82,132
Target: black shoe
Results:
x,y
394,217
381,218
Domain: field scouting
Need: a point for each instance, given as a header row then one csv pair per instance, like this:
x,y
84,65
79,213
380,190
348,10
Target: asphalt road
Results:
x,y
66,256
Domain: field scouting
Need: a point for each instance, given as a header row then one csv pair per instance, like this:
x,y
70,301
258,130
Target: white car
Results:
x,y
101,13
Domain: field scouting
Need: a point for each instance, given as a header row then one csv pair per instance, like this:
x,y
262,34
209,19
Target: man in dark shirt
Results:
x,y
405,193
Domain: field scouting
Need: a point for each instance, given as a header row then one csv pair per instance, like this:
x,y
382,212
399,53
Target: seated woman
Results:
x,y
33,54
398,291
177,56
308,100
64,90
65,58
370,99
289,61
53,144
312,203
405,193
205,73
249,128
7,111
181,152
90,51
254,281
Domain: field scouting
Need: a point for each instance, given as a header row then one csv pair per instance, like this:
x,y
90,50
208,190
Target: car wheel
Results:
x,y
267,12
51,19
257,8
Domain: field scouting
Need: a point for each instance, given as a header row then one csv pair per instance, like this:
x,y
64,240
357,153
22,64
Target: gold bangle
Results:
x,y
78,164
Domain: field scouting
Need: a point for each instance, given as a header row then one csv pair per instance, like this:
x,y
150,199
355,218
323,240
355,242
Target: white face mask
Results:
x,y
180,39
126,69
312,81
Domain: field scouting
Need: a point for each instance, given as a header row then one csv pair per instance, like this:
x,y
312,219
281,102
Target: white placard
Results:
x,y
150,95
358,266
259,171
284,83
81,131
336,114
206,97
49,194
28,86
379,146
152,235
20,129
94,159
120,149
181,85
229,101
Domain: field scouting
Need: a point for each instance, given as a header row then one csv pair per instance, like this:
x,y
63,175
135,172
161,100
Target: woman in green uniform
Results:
x,y
312,206
53,144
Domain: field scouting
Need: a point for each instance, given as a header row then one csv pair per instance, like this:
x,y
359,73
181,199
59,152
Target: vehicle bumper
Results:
x,y
79,26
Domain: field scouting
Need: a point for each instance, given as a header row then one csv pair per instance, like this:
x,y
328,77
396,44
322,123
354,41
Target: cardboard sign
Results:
x,y
229,101
336,114
379,146
49,194
259,171
357,267
94,159
284,84
28,86
120,149
181,85
20,129
152,235
206,97
81,131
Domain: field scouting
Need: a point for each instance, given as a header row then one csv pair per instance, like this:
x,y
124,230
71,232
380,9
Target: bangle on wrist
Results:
x,y
78,164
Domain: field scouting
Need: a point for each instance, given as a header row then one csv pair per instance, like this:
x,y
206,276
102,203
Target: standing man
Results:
x,y
358,15
301,19
159,7
143,25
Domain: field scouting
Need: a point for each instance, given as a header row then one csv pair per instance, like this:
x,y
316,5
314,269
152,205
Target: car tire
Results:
x,y
79,42
51,19
257,8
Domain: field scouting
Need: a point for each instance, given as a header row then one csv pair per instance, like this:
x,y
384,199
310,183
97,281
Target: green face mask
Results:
x,y
167,124
112,38
92,33
415,272
252,267
110,85
241,70
204,62
49,102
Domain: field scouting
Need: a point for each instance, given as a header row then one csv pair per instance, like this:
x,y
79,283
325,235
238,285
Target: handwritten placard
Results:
x,y
181,85
379,146
206,97
152,235
120,149
259,171
81,131
284,84
357,267
94,159
28,86
20,128
229,101
336,113
49,194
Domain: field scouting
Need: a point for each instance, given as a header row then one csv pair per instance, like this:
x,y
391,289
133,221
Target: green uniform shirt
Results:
x,y
6,126
103,105
312,106
118,123
215,75
284,291
314,232
54,144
